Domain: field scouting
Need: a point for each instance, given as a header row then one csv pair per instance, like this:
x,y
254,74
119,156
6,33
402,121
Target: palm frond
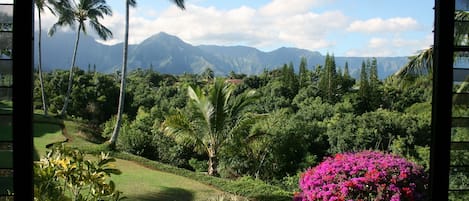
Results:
x,y
461,29
64,10
219,95
99,9
103,32
132,3
240,102
244,125
203,109
183,131
53,5
179,3
422,63
40,4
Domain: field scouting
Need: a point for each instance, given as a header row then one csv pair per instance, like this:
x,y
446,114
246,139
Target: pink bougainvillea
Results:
x,y
363,176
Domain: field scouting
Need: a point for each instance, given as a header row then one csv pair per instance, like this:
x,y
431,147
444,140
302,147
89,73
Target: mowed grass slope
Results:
x,y
137,182
147,184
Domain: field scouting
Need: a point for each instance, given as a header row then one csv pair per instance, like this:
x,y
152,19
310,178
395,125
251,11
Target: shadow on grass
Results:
x,y
40,129
168,194
46,125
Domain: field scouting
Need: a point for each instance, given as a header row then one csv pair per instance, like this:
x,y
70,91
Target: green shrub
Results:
x,y
199,166
227,197
64,172
108,126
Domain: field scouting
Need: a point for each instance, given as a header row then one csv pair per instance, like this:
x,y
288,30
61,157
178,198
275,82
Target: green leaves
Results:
x,y
65,172
212,117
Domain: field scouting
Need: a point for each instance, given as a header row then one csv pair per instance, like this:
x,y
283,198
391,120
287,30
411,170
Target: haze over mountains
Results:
x,y
168,54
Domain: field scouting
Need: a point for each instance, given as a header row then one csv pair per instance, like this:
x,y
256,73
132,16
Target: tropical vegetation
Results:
x,y
270,126
65,172
263,136
213,118
69,13
115,134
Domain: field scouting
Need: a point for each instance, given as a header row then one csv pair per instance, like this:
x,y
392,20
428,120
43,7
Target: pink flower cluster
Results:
x,y
363,176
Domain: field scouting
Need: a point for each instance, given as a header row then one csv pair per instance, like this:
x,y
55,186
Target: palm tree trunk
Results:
x,y
120,108
260,164
212,162
44,105
70,77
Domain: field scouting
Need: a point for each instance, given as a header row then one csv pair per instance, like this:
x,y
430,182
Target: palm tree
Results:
x,y
214,117
71,13
40,5
422,63
115,133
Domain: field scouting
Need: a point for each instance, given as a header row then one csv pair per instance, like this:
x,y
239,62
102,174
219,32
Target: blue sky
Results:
x,y
341,27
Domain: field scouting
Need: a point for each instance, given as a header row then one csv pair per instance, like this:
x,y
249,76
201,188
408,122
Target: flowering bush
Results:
x,y
363,176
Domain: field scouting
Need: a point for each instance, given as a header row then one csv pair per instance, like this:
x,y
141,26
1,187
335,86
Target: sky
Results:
x,y
369,28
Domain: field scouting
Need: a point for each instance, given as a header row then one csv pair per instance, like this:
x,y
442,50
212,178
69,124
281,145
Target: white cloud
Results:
x,y
288,7
379,25
243,25
377,42
267,27
394,46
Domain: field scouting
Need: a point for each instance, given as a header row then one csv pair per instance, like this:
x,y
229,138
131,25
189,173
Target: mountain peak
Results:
x,y
166,36
163,37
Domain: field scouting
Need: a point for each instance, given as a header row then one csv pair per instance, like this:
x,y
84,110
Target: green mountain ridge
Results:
x,y
166,53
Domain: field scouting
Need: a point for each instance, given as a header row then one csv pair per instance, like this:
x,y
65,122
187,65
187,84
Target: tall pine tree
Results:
x,y
375,86
347,80
303,75
289,81
328,80
346,71
363,105
374,80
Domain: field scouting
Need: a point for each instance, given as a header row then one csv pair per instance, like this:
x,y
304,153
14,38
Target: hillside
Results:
x,y
169,54
156,181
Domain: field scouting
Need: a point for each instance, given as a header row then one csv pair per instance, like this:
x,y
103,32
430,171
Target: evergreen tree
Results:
x,y
364,85
328,80
374,80
362,102
375,89
316,74
292,80
303,75
322,82
346,71
289,81
347,80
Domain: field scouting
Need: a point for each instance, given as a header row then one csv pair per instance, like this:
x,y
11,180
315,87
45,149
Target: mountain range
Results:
x,y
169,54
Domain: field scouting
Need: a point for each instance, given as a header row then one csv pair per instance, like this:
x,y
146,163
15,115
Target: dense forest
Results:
x,y
270,126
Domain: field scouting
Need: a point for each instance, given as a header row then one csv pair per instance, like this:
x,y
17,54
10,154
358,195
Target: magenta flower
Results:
x,y
366,175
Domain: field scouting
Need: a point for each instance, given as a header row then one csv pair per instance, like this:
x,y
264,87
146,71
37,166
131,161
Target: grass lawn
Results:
x,y
141,183
44,134
137,182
